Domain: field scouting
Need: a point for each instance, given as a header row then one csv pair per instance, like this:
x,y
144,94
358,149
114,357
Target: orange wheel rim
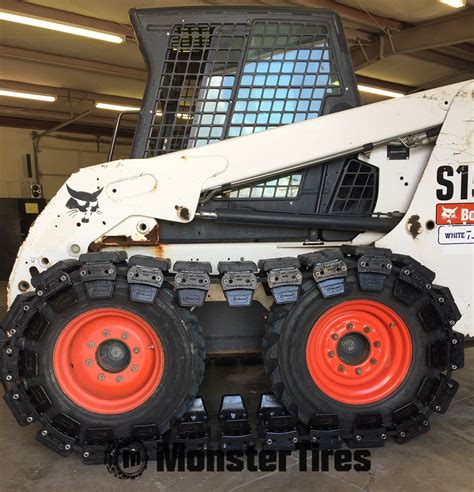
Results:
x,y
108,361
359,352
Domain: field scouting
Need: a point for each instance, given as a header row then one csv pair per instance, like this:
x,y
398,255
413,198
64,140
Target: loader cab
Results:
x,y
222,73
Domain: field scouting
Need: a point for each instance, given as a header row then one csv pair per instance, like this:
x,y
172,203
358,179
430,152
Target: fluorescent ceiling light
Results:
x,y
27,95
116,107
57,26
457,4
380,92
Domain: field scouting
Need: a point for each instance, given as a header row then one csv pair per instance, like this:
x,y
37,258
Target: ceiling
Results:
x,y
404,45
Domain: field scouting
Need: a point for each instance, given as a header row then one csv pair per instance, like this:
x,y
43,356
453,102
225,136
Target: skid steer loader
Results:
x,y
262,211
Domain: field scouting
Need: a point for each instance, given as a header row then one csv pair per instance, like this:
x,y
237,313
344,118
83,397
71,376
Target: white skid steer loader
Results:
x,y
256,181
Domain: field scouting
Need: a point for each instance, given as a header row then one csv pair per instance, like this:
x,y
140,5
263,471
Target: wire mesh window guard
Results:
x,y
231,79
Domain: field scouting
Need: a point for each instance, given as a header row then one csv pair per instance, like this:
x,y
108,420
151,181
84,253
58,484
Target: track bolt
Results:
x,y
454,367
134,368
136,350
359,371
314,439
86,454
9,378
269,442
331,354
63,278
358,437
124,335
16,396
44,433
100,377
131,274
295,440
452,322
9,351
406,272
428,286
425,423
384,436
340,368
373,361
119,379
389,266
334,336
88,362
91,344
392,324
454,341
363,263
29,420
12,331
438,408
349,326
26,308
105,333
39,293
377,344
402,434
441,300
67,447
272,279
83,273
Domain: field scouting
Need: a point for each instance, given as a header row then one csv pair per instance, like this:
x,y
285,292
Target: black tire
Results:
x,y
287,331
184,353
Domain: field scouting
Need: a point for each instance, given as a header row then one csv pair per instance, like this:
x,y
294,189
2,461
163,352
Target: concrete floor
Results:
x,y
440,460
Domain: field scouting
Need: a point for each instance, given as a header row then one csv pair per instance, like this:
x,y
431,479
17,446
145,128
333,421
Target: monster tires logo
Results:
x,y
126,459
83,203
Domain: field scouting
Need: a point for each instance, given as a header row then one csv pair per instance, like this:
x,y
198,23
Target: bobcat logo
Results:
x,y
449,214
84,203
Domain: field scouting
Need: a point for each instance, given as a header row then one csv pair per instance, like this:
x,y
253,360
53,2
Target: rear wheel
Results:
x,y
99,369
357,352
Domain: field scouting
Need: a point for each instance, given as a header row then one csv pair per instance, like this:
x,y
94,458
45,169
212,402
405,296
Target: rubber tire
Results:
x,y
287,331
184,354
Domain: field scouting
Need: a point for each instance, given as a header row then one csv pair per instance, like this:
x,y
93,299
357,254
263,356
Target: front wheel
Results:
x,y
360,352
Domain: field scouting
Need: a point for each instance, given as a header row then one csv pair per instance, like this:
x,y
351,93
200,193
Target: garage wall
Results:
x,y
57,160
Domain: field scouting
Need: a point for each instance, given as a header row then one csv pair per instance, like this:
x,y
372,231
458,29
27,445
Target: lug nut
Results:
x,y
88,362
100,377
349,326
392,324
377,344
119,379
136,350
334,336
331,354
373,361
359,371
105,333
366,329
134,368
124,335
91,344
340,368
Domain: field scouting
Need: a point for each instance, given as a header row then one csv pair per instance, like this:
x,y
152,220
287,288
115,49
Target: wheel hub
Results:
x,y
353,349
108,361
113,356
359,352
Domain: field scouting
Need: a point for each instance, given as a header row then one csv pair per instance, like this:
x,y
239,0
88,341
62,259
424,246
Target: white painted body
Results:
x,y
136,193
